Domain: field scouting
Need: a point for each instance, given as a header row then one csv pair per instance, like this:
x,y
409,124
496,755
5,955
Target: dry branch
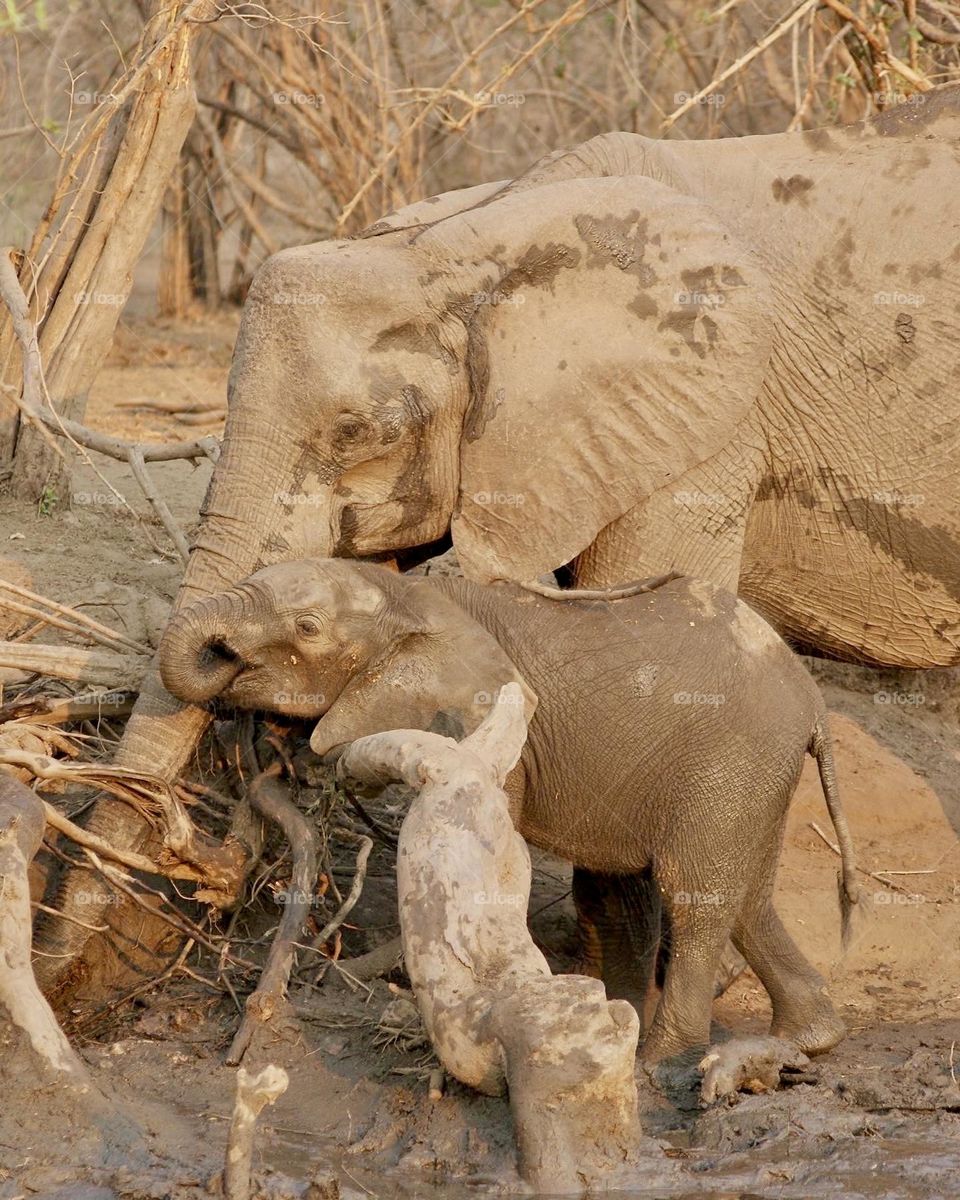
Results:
x,y
495,1015
267,798
188,853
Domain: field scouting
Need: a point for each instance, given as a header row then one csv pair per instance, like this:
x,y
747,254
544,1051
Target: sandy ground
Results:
x,y
882,1117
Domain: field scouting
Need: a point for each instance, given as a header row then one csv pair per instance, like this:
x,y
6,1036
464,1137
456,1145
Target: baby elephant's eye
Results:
x,y
308,627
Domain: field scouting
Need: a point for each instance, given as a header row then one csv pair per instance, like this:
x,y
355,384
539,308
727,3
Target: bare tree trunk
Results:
x,y
81,278
175,289
495,1015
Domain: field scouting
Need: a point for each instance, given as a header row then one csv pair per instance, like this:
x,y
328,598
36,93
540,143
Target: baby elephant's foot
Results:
x,y
815,1028
749,1064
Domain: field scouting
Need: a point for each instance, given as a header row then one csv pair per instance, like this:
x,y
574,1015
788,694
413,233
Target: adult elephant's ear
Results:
x,y
442,674
617,333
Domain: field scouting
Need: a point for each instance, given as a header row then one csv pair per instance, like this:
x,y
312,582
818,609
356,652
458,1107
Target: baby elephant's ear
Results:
x,y
443,678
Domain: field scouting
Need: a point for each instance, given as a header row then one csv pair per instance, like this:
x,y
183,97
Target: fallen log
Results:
x,y
99,668
22,1004
496,1017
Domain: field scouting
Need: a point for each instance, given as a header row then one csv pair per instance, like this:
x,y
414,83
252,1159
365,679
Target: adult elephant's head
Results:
x,y
520,373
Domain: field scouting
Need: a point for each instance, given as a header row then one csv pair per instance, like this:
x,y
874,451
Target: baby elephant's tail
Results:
x,y
822,750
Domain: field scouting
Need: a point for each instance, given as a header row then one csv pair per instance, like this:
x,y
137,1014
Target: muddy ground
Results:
x,y
881,1117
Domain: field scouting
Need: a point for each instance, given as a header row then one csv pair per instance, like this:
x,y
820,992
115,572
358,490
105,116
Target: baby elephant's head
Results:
x,y
354,643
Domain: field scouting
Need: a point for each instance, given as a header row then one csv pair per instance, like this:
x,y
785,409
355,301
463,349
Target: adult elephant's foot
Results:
x,y
749,1064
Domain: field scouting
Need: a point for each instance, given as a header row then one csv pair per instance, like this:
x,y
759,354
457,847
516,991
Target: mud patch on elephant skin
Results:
x,y
621,241
904,327
538,267
415,338
794,188
925,552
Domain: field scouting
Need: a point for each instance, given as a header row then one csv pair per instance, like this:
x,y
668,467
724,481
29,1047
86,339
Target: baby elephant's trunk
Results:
x,y
198,653
821,748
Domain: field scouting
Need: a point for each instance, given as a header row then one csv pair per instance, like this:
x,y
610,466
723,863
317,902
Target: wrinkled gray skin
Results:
x,y
668,737
733,358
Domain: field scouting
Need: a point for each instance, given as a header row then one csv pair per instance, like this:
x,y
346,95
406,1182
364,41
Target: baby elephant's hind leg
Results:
x,y
802,1011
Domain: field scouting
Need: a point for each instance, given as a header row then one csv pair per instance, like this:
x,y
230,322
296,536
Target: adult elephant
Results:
x,y
735,358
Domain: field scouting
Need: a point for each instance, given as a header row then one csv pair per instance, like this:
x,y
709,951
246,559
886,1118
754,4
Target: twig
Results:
x,y
73,615
757,49
356,887
267,799
160,507
637,588
872,874
882,52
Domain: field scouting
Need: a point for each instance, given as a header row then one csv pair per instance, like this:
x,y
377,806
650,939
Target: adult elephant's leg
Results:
x,y
695,524
618,922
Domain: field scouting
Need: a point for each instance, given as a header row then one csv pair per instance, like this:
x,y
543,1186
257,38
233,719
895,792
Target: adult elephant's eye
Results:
x,y
308,627
351,429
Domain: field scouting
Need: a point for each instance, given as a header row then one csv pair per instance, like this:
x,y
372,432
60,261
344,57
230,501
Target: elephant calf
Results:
x,y
668,737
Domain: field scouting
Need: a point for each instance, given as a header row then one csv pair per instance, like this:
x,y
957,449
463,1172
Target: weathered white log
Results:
x,y
100,668
254,1092
22,821
495,1015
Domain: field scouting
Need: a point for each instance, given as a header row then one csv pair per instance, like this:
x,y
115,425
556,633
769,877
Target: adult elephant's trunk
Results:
x,y
243,527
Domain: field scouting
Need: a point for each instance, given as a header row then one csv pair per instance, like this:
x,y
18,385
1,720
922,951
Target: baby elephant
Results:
x,y
668,737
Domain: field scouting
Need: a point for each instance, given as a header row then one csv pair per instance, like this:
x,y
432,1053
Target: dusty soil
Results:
x,y
880,1117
